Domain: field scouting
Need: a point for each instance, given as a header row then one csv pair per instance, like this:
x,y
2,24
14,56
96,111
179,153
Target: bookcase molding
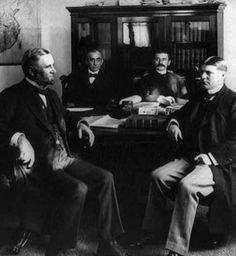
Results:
x,y
126,35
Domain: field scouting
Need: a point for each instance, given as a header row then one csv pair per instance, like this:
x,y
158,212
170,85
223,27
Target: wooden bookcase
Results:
x,y
127,35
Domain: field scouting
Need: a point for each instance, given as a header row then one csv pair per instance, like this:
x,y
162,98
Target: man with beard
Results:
x,y
32,124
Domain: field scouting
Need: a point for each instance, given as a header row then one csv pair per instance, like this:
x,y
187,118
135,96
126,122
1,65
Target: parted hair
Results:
x,y
217,62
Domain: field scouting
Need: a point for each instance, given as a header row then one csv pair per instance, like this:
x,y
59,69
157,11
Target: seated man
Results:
x,y
32,124
162,81
91,85
204,166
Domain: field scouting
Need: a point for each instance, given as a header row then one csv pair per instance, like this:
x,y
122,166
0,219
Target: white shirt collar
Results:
x,y
91,72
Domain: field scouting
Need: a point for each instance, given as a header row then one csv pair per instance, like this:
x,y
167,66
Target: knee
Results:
x,y
158,175
80,190
107,177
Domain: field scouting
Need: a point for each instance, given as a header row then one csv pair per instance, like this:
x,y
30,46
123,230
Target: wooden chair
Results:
x,y
22,202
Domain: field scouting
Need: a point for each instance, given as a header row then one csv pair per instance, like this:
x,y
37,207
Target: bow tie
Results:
x,y
41,91
92,75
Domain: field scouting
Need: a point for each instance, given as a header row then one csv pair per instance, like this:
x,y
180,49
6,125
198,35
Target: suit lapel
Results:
x,y
57,111
213,108
34,104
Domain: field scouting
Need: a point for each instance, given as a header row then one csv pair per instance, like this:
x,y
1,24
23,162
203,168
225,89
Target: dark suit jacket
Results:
x,y
81,92
217,134
21,111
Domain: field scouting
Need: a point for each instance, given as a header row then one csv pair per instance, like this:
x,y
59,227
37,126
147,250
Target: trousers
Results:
x,y
186,183
69,186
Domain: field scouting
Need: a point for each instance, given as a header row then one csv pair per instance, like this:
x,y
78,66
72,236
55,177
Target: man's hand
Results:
x,y
26,152
175,132
202,159
83,129
166,100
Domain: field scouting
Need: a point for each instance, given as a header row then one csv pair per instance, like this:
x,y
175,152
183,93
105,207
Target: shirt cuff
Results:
x,y
15,138
212,158
82,122
172,121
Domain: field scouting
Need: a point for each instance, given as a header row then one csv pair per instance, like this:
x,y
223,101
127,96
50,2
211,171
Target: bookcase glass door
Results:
x,y
135,39
84,39
103,39
93,34
189,43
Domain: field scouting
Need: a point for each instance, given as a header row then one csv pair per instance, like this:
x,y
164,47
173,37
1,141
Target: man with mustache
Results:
x,y
161,82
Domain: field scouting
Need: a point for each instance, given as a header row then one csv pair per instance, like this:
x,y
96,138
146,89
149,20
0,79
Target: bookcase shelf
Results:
x,y
127,35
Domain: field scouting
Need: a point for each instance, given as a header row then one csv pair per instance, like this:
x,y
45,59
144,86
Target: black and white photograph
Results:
x,y
117,128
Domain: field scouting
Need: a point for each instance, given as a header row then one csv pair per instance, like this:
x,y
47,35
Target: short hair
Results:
x,y
30,57
217,62
92,50
161,50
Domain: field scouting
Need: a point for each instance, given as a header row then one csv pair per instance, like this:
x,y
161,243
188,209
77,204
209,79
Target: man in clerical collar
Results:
x,y
91,85
203,169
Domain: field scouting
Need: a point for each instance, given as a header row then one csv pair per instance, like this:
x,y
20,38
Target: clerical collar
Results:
x,y
35,84
210,96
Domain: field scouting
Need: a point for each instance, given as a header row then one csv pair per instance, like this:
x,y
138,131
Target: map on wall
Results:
x,y
19,29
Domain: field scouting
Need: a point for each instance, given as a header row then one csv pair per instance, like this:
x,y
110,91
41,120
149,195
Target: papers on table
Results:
x,y
79,109
134,99
104,121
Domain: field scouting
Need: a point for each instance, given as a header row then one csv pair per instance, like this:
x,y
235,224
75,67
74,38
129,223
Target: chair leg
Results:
x,y
22,242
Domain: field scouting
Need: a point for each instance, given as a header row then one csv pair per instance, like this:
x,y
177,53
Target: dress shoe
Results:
x,y
215,241
147,239
111,248
24,237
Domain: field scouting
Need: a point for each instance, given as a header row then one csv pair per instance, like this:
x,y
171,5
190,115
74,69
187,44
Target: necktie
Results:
x,y
42,91
92,75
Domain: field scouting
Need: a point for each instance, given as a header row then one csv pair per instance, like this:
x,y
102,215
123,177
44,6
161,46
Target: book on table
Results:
x,y
152,108
104,121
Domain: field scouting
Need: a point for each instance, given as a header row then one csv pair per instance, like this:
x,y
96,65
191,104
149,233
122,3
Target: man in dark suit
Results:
x,y
32,123
91,85
160,82
204,169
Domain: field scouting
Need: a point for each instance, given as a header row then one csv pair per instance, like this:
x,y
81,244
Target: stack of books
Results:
x,y
151,122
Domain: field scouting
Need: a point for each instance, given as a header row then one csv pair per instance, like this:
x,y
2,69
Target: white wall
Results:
x,y
56,36
230,42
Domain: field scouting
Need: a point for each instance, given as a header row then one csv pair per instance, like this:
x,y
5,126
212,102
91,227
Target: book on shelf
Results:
x,y
104,121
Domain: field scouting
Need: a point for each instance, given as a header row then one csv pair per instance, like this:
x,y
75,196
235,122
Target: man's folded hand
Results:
x,y
26,151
